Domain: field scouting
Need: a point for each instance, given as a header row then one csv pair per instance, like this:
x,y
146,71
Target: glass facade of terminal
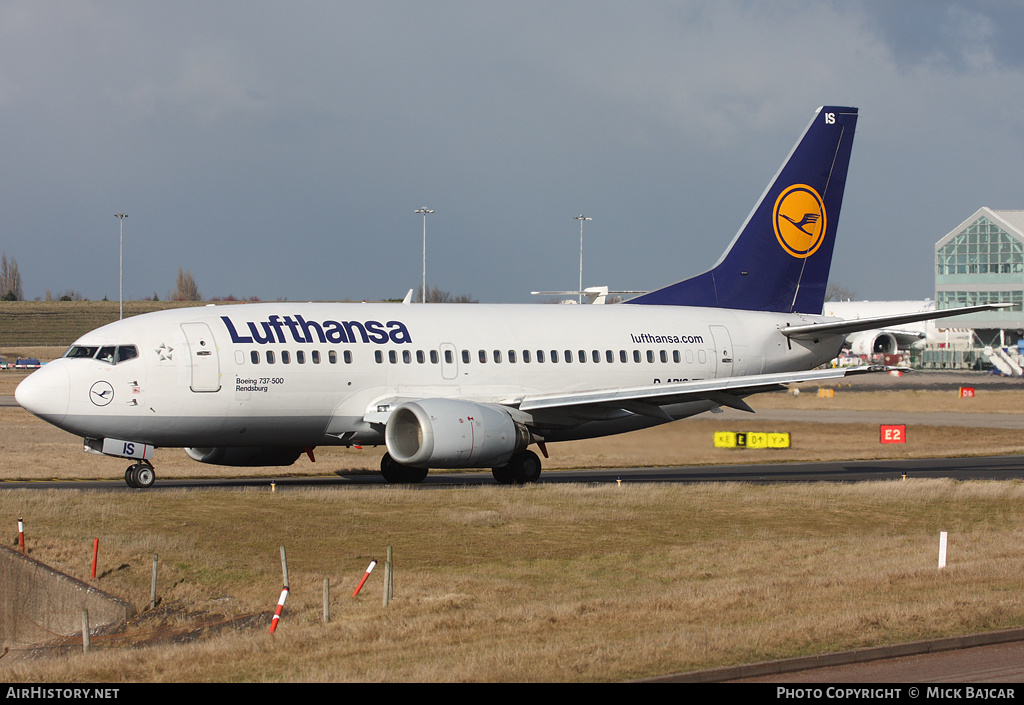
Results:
x,y
982,248
982,263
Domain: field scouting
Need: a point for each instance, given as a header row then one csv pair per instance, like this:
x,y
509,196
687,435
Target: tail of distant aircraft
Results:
x,y
780,258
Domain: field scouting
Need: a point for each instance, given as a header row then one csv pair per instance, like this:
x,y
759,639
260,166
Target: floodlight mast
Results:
x,y
424,212
581,218
120,272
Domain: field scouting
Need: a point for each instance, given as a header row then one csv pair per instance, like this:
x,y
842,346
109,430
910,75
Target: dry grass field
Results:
x,y
544,583
59,323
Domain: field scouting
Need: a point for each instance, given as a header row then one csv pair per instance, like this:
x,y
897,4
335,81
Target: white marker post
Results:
x,y
942,550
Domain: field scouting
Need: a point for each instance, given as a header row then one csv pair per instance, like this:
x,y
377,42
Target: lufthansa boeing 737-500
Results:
x,y
473,385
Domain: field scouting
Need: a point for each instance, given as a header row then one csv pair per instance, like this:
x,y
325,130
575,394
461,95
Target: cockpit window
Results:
x,y
126,352
81,351
109,354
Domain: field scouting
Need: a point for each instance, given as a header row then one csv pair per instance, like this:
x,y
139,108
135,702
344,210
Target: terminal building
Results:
x,y
982,261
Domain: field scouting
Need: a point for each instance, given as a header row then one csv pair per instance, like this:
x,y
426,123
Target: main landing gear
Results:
x,y
522,469
140,475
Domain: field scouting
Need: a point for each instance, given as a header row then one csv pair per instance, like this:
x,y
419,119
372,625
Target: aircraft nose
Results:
x,y
45,392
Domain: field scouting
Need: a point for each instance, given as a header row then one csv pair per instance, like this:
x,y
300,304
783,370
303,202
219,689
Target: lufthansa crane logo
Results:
x,y
799,220
101,393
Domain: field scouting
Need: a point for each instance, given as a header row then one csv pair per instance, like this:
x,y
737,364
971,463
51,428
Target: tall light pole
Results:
x,y
120,256
581,218
424,212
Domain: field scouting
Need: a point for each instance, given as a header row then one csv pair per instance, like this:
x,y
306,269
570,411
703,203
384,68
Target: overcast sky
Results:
x,y
280,149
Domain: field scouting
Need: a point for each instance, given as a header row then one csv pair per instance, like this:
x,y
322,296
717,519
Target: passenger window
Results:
x,y
300,357
392,357
316,357
636,356
664,356
526,356
285,357
420,357
406,356
568,356
379,356
449,358
650,356
348,357
497,355
255,357
540,356
582,357
512,356
622,356
435,358
554,356
482,355
675,356
465,356
270,357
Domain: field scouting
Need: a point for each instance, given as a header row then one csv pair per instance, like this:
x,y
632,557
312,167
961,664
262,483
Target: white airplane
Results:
x,y
593,294
472,385
894,339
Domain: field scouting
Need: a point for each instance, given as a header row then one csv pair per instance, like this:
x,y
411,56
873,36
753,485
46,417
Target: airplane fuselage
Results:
x,y
321,374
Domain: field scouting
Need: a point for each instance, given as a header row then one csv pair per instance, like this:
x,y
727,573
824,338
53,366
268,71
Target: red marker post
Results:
x,y
373,564
277,613
95,554
21,534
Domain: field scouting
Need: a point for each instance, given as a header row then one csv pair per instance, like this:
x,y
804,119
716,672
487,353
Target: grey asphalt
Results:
x,y
995,657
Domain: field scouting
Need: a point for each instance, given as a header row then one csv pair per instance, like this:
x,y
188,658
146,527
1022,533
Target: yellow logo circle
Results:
x,y
799,220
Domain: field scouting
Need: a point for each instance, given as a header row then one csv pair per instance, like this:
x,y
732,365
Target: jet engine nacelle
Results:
x,y
450,433
872,342
245,457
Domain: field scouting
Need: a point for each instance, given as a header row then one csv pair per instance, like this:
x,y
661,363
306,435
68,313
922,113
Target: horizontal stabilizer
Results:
x,y
814,331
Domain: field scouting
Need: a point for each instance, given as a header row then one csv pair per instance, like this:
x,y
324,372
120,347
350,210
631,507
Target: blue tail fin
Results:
x,y
780,259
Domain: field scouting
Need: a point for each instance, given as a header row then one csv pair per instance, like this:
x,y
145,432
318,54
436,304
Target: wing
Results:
x,y
649,400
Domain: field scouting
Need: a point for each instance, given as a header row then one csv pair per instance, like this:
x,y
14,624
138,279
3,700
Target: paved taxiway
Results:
x,y
1008,467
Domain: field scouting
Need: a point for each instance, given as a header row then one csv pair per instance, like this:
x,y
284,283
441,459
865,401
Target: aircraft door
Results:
x,y
724,353
202,357
449,361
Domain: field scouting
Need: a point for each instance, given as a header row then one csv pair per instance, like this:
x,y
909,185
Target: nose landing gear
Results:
x,y
140,475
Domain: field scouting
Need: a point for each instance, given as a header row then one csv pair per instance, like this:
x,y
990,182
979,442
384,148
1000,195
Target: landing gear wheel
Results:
x,y
145,476
140,476
525,467
522,469
396,474
502,475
